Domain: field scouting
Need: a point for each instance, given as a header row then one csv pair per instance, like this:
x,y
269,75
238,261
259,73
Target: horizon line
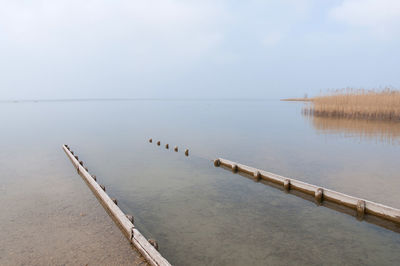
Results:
x,y
132,99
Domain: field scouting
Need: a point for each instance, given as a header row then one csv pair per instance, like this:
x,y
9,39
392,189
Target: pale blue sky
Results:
x,y
196,49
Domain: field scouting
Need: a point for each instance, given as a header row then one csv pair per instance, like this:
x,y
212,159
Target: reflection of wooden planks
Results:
x,y
134,236
360,205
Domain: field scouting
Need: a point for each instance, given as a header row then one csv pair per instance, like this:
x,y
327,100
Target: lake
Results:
x,y
202,215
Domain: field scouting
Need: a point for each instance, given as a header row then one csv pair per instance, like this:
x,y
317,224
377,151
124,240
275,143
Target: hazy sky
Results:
x,y
196,49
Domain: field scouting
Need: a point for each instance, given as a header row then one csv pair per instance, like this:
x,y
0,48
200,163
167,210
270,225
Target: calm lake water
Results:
x,y
205,215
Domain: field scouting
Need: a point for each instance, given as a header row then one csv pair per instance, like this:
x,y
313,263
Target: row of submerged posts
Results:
x,y
167,147
148,248
372,212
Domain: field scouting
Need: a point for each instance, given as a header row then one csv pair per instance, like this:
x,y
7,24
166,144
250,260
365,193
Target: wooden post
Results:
x,y
360,209
319,193
257,176
187,152
234,168
154,243
286,185
149,252
115,201
130,218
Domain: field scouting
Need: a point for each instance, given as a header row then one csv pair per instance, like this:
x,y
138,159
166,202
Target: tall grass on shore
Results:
x,y
360,104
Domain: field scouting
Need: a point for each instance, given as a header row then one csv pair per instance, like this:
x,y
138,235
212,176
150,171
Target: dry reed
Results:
x,y
360,104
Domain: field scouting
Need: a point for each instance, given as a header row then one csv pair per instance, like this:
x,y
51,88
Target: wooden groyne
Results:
x,y
167,146
320,194
125,222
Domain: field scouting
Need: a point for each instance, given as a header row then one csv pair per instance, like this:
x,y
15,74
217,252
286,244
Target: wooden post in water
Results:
x,y
286,185
318,195
148,251
257,176
235,168
360,209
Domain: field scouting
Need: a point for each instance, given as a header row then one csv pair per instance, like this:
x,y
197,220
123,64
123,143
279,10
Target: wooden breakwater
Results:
x,y
125,222
320,194
167,146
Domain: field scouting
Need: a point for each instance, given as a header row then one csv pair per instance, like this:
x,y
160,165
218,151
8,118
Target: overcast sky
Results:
x,y
196,49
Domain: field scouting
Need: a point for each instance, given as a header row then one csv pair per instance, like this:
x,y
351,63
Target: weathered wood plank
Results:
x,y
134,236
371,207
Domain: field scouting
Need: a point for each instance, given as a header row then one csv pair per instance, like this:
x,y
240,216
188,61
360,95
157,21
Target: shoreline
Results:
x,y
296,100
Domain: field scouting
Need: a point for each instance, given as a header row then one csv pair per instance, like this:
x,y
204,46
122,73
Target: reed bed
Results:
x,y
359,104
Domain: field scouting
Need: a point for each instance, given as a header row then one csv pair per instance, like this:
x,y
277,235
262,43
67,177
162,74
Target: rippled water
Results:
x,y
206,215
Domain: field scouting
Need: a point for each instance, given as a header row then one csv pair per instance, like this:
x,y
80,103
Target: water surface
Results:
x,y
206,215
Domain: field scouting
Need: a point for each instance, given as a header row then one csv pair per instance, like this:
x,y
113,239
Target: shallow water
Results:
x,y
48,216
206,215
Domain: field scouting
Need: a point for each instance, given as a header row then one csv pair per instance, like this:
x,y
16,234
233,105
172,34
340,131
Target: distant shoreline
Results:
x,y
135,99
297,100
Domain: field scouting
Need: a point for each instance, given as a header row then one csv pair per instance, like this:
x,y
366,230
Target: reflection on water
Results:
x,y
386,132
